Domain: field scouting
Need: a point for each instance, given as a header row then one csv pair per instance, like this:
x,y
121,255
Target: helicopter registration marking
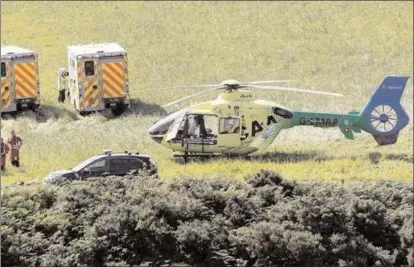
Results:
x,y
257,127
318,121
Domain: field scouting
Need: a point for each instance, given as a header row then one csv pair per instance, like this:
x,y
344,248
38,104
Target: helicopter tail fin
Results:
x,y
384,116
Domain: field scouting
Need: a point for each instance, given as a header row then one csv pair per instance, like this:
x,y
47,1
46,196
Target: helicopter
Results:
x,y
236,123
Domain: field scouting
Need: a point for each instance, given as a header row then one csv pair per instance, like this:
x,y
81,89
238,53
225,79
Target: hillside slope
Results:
x,y
337,46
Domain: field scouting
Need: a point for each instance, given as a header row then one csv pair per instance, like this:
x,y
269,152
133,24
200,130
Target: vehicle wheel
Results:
x,y
119,110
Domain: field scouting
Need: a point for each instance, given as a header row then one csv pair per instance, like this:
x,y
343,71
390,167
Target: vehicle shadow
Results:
x,y
137,107
140,107
43,114
274,157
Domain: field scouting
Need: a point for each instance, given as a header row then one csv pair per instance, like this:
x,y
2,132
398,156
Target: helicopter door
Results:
x,y
175,127
229,132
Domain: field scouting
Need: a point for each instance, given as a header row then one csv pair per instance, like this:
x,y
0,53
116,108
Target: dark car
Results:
x,y
119,164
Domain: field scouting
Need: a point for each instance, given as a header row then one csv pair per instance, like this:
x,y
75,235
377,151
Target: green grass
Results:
x,y
345,47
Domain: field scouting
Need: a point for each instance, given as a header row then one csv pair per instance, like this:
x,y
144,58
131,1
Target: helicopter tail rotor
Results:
x,y
384,116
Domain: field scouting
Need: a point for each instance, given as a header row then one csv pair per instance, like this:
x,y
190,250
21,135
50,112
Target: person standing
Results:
x,y
4,150
62,84
15,143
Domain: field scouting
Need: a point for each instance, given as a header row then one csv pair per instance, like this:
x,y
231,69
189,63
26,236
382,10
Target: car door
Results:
x,y
97,168
124,165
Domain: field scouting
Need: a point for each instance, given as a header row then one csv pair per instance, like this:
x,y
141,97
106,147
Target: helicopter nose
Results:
x,y
160,128
157,132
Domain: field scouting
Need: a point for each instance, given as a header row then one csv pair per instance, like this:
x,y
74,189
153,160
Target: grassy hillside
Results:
x,y
345,47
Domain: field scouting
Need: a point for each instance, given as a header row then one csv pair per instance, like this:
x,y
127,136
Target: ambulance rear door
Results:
x,y
88,78
25,77
113,77
7,92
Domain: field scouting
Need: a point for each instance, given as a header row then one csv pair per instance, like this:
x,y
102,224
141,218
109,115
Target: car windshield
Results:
x,y
84,164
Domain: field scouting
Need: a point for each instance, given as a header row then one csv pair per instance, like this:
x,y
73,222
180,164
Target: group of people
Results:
x,y
13,146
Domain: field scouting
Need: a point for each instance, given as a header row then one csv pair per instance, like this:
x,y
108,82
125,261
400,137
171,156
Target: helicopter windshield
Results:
x,y
195,127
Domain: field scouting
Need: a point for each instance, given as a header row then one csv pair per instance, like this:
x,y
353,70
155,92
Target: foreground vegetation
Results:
x,y
345,47
261,221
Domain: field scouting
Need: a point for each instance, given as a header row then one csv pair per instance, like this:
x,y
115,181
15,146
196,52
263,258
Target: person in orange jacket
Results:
x,y
15,143
4,150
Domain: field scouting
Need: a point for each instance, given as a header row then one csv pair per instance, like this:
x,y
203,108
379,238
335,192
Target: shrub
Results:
x,y
265,221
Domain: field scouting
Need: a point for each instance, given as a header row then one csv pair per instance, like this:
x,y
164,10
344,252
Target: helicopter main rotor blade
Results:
x,y
190,96
193,86
182,87
275,81
213,85
291,89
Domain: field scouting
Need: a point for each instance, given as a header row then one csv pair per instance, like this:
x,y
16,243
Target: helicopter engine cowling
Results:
x,y
284,113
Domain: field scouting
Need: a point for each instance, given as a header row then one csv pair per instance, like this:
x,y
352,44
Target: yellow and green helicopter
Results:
x,y
236,123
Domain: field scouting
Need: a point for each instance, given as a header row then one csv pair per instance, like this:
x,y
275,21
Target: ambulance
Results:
x,y
20,88
98,78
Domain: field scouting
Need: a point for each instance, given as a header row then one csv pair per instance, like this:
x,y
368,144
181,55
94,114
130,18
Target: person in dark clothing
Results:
x,y
15,143
4,150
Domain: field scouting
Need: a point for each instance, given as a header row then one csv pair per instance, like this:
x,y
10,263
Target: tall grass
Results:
x,y
345,47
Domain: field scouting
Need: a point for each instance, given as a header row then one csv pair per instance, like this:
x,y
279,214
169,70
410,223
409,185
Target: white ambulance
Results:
x,y
20,88
98,78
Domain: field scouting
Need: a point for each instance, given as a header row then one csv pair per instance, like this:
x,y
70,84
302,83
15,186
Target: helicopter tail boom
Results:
x,y
383,116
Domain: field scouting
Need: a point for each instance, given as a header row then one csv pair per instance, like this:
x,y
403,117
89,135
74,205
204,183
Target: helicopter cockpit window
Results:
x,y
229,125
198,128
201,126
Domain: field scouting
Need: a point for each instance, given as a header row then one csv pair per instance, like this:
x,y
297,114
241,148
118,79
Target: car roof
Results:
x,y
123,154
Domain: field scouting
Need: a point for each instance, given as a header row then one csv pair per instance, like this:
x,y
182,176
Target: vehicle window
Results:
x,y
125,164
97,165
229,125
3,69
89,68
200,126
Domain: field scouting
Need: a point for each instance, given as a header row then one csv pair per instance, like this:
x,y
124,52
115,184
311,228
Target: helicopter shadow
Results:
x,y
274,157
43,114
137,107
376,157
291,157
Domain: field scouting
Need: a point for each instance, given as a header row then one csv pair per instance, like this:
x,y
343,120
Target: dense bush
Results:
x,y
263,221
